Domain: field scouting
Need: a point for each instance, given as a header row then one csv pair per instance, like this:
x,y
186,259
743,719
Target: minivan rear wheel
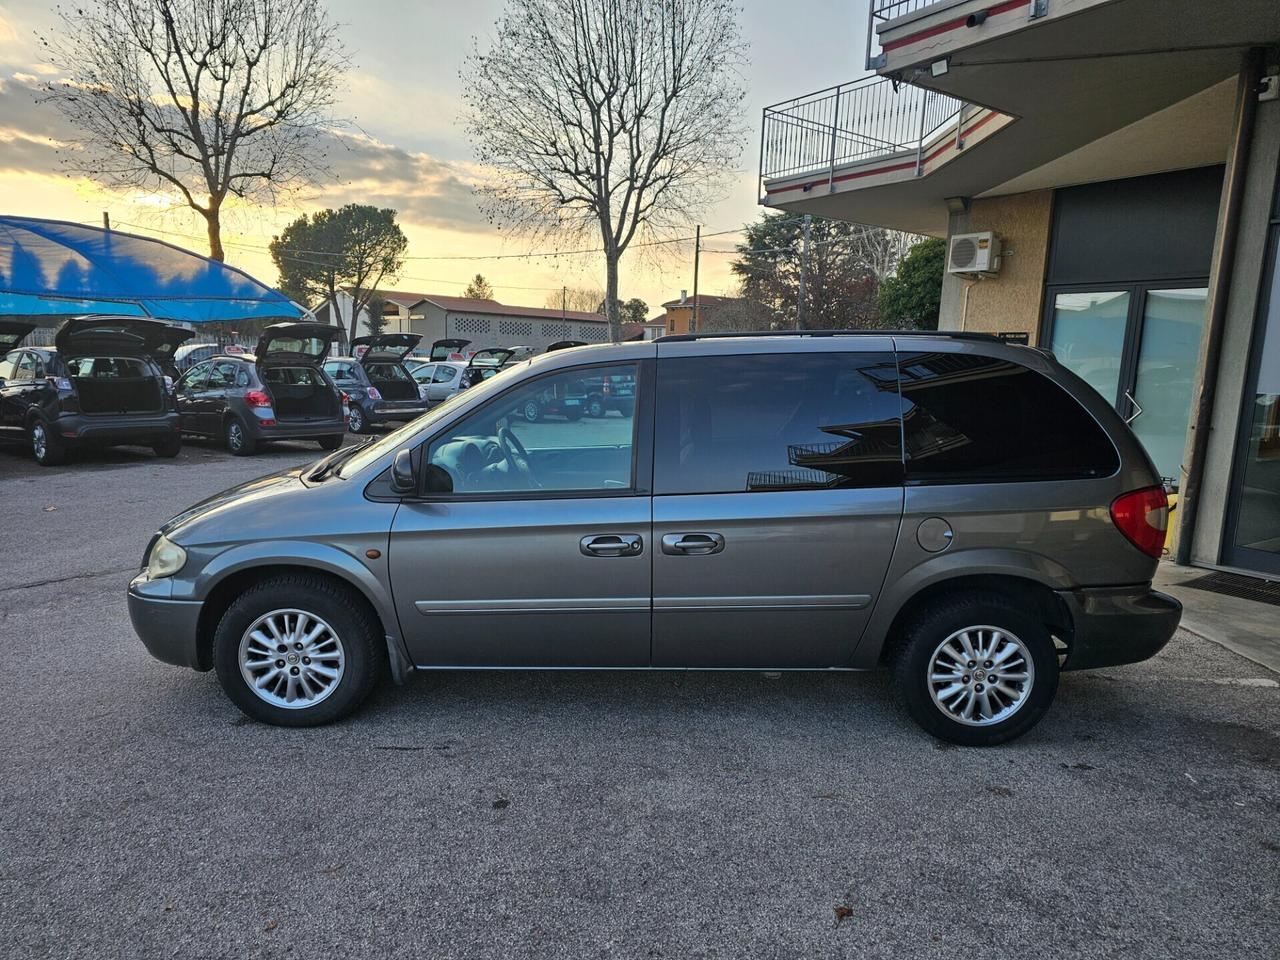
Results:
x,y
298,651
976,670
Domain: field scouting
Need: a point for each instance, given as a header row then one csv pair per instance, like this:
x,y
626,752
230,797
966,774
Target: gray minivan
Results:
x,y
968,513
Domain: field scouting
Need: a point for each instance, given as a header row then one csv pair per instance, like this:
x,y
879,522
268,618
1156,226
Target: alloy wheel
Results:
x,y
981,675
291,659
39,441
235,435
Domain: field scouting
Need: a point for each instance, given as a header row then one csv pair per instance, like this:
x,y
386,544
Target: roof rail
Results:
x,y
949,334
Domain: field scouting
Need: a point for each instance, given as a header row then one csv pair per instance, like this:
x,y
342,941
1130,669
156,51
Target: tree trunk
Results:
x,y
213,220
611,292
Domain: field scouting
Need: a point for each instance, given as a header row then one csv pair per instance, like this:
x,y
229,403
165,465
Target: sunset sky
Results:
x,y
404,147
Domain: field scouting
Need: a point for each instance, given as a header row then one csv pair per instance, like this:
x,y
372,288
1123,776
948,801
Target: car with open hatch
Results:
x,y
966,513
379,387
278,392
106,381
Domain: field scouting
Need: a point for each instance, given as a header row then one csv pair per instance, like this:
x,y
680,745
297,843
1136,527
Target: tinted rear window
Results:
x,y
783,422
970,419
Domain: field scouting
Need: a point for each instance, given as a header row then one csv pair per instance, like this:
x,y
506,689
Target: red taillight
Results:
x,y
256,398
1143,516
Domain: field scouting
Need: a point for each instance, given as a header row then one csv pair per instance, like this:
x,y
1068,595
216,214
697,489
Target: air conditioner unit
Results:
x,y
974,253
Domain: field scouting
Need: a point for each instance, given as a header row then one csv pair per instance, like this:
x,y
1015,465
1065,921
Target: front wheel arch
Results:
x,y
225,591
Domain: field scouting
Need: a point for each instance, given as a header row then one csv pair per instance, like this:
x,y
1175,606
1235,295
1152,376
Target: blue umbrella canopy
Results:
x,y
51,269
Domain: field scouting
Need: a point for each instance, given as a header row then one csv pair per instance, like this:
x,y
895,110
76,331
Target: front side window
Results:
x,y
444,375
194,379
25,368
8,365
762,423
972,419
535,438
423,373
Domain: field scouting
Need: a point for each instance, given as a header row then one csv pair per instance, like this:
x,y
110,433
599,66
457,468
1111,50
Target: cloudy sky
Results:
x,y
406,149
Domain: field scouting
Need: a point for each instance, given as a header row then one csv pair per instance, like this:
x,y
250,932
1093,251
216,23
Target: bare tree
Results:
x,y
209,98
578,299
606,118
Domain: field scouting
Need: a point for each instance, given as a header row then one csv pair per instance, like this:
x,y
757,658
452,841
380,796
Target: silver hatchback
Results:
x,y
965,512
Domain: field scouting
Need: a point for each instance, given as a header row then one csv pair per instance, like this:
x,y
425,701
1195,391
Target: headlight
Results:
x,y
166,559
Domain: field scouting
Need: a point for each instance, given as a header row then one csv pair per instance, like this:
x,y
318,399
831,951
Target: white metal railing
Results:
x,y
880,11
871,117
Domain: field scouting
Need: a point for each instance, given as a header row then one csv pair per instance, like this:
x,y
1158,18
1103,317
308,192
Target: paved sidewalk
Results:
x,y
1246,627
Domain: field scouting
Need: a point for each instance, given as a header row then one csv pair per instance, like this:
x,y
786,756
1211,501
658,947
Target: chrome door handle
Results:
x,y
692,544
1137,410
611,545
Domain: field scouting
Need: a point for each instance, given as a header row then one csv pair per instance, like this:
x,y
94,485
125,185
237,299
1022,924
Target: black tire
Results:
x,y
46,446
357,422
627,408
363,646
332,442
169,447
573,414
923,636
239,440
532,411
596,407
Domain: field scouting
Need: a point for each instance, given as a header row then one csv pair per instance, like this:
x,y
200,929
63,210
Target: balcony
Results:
x,y
865,133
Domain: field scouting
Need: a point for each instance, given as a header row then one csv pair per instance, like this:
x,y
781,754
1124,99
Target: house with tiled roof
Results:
x,y
484,322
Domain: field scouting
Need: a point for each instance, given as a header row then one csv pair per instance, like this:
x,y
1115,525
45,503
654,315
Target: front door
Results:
x,y
188,389
539,554
777,498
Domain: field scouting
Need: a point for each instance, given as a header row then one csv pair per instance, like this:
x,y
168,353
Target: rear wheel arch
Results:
x,y
225,591
1029,595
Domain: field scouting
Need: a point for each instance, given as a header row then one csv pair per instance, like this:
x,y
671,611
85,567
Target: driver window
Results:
x,y
556,434
194,378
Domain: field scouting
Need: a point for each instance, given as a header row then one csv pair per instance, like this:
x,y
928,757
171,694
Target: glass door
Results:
x,y
1138,345
1253,536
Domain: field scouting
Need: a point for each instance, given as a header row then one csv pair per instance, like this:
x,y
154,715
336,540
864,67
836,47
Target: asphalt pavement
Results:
x,y
580,815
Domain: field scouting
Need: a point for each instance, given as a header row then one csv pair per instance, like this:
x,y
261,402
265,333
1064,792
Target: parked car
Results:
x,y
440,380
102,383
278,392
189,354
379,388
567,399
969,514
610,392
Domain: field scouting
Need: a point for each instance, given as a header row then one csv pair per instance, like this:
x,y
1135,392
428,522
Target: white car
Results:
x,y
438,380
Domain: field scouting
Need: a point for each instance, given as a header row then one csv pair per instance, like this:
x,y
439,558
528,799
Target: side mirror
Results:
x,y
437,479
403,478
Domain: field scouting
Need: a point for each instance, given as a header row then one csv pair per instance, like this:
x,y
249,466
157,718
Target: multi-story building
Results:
x,y
1105,172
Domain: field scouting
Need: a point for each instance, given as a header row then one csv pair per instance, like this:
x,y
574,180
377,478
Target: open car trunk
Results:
x,y
113,385
300,393
392,379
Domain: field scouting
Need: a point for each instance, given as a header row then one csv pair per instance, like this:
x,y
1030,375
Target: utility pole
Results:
x,y
697,251
804,271
564,303
106,220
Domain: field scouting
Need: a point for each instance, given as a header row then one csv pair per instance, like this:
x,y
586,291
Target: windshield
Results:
x,y
397,438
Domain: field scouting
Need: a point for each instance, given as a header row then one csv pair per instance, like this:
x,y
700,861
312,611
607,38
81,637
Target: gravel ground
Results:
x,y
591,815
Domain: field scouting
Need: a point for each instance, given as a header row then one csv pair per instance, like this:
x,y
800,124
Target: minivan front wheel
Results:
x,y
976,670
297,651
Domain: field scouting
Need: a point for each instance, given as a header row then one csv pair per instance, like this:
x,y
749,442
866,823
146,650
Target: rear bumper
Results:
x,y
1118,625
167,628
118,428
298,429
401,410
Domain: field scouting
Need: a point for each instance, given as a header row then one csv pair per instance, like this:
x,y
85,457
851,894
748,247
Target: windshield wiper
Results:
x,y
326,466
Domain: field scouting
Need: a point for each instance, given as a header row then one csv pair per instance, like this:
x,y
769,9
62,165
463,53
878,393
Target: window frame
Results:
x,y
641,444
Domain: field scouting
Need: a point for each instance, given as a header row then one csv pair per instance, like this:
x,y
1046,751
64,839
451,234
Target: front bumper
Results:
x,y
121,428
167,628
1118,625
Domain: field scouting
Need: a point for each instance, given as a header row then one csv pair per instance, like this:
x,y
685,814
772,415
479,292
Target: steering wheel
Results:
x,y
516,455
